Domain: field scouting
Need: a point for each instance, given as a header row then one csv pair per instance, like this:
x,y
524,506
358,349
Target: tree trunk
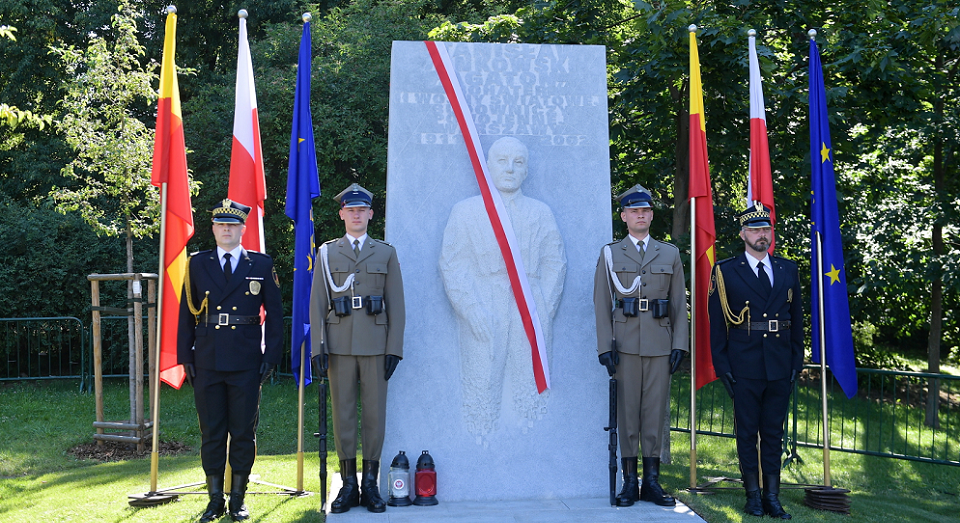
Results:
x,y
932,418
131,334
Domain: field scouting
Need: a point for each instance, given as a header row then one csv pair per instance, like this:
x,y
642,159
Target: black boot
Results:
x,y
630,493
349,495
370,488
238,488
650,490
771,499
215,508
751,483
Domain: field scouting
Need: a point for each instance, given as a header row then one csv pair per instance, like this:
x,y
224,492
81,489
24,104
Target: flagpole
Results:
x,y
155,386
300,387
693,339
823,367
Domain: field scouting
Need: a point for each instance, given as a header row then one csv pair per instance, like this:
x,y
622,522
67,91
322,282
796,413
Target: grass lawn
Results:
x,y
41,481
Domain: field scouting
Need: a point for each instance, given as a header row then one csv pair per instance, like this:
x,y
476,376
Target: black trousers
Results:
x,y
760,408
227,403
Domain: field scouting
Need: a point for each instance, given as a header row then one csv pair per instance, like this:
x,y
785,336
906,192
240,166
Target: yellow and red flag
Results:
x,y
247,183
760,180
704,233
170,174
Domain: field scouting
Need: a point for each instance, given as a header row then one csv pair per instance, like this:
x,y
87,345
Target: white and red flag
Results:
x,y
247,183
760,181
499,219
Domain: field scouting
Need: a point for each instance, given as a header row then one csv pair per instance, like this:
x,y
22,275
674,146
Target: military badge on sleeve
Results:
x,y
275,278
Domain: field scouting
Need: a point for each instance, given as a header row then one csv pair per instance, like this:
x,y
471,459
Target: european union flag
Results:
x,y
829,282
303,185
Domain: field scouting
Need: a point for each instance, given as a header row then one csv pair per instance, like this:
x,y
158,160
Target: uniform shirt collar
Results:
x,y
235,255
361,239
645,241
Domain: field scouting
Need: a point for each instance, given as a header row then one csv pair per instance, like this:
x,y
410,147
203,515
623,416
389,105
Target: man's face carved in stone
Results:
x,y
507,162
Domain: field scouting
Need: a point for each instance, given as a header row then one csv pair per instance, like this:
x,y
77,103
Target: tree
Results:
x,y
114,148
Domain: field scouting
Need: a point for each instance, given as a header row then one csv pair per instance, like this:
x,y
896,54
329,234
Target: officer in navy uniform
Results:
x,y
640,301
756,338
220,343
357,316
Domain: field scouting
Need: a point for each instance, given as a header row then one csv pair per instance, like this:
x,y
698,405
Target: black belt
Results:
x,y
233,319
766,326
643,305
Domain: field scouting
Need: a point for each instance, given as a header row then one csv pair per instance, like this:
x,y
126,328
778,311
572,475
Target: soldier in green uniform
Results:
x,y
640,301
357,318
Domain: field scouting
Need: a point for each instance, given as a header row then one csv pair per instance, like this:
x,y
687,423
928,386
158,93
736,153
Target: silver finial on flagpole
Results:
x,y
692,28
171,9
752,32
242,13
307,17
812,33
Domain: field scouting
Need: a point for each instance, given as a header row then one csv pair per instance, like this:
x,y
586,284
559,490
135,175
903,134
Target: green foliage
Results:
x,y
114,149
45,261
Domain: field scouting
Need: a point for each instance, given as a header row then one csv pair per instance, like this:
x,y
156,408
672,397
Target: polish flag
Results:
x,y
760,182
247,183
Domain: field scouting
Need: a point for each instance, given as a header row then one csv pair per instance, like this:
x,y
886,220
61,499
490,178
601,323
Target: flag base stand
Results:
x,y
283,491
712,486
828,498
163,496
160,497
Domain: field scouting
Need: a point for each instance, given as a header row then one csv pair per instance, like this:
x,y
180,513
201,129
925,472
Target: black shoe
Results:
x,y
238,488
217,505
370,489
751,483
650,489
771,499
630,493
349,495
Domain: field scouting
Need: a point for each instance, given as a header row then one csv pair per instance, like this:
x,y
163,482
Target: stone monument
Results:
x,y
466,389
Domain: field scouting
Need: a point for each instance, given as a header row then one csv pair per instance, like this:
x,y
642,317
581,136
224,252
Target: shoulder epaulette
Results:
x,y
192,254
379,241
726,260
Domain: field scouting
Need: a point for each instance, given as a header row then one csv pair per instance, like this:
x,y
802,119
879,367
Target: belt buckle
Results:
x,y
357,302
644,305
223,319
773,326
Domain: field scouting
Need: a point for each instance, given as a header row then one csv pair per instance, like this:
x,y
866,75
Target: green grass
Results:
x,y
882,489
41,481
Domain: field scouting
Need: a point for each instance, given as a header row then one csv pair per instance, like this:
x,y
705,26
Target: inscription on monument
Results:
x,y
528,90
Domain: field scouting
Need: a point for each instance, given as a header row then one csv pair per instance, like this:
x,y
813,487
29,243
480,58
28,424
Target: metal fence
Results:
x,y
43,348
885,418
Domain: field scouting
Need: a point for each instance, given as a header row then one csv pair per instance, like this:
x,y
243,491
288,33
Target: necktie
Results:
x,y
227,266
762,276
356,247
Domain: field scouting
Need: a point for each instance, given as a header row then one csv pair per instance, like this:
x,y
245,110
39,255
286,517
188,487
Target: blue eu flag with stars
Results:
x,y
829,283
303,185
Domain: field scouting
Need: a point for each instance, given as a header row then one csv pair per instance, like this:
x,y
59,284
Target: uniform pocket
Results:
x,y
660,276
378,272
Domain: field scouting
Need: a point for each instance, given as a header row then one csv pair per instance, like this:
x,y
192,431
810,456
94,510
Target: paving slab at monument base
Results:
x,y
593,510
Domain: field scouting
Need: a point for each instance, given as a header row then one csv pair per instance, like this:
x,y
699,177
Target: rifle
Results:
x,y
612,445
321,373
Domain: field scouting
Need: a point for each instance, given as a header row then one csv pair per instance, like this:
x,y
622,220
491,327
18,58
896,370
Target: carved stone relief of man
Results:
x,y
493,345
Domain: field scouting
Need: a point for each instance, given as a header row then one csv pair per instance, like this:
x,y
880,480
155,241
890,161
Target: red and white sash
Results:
x,y
499,219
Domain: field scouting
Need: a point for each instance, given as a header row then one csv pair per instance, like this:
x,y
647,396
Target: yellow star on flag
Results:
x,y
834,274
824,154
